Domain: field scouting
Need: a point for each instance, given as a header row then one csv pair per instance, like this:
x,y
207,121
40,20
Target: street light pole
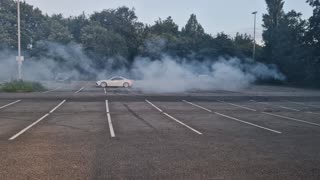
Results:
x,y
254,36
19,57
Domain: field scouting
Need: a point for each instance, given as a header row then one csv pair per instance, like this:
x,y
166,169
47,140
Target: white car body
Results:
x,y
116,81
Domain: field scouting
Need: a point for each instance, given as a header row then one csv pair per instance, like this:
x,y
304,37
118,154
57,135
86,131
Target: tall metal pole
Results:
x,y
19,57
254,36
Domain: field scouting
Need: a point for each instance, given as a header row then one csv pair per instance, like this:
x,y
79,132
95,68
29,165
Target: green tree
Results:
x,y
313,43
31,24
244,45
193,27
271,24
283,35
123,21
75,25
102,41
56,32
224,44
167,26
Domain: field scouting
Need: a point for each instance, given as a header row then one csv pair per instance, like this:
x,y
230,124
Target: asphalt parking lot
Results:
x,y
79,131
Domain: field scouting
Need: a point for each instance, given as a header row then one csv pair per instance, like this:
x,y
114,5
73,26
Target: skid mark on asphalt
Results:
x,y
138,117
67,126
173,118
14,119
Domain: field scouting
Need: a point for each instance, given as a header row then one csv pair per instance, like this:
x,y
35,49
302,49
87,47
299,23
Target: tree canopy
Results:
x,y
290,42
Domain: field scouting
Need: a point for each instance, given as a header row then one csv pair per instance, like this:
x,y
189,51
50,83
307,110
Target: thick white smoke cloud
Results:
x,y
166,74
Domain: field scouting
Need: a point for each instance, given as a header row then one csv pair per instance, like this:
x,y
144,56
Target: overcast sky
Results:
x,y
229,16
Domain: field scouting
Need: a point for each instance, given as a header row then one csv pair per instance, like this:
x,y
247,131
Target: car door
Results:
x,y
116,82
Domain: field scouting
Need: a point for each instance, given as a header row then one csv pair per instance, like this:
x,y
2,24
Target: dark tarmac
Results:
x,y
80,131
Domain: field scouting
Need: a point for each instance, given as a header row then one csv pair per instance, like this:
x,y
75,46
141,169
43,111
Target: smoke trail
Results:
x,y
167,74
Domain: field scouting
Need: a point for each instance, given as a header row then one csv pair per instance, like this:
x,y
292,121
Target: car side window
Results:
x,y
116,79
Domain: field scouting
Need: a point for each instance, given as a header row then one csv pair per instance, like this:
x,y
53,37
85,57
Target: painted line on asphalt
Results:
x,y
10,104
160,110
309,112
112,134
36,122
304,104
290,118
255,125
173,118
55,108
52,90
105,90
283,107
79,90
243,107
197,106
242,121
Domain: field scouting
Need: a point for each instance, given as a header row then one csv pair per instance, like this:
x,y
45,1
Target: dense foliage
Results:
x,y
292,43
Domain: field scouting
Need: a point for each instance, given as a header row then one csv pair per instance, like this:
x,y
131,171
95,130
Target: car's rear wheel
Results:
x,y
126,85
104,84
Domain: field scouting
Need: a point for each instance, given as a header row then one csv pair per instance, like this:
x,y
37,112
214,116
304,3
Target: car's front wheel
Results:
x,y
104,84
126,85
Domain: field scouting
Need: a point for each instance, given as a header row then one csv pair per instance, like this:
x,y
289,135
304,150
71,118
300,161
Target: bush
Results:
x,y
22,86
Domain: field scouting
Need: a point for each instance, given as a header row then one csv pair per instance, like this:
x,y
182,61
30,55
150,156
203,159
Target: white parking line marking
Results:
x,y
105,90
255,125
36,122
245,122
15,102
243,107
197,106
28,127
112,134
283,107
154,106
79,90
304,104
171,117
293,119
182,123
312,112
54,109
52,90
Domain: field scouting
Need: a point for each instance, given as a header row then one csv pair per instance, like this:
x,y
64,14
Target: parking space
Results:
x,y
272,115
65,141
144,112
16,117
127,122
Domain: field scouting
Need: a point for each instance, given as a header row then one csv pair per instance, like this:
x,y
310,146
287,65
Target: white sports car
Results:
x,y
116,81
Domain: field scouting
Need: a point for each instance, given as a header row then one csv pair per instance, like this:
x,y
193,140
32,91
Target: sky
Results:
x,y
229,16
